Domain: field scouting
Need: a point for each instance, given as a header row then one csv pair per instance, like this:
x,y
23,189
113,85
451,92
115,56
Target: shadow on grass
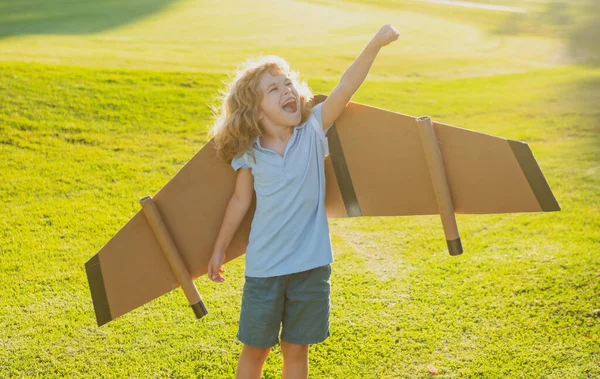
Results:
x,y
23,17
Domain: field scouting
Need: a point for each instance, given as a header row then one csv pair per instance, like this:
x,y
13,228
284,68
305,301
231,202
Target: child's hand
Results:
x,y
386,35
215,267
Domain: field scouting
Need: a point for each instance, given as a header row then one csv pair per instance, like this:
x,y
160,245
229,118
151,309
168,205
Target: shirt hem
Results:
x,y
293,271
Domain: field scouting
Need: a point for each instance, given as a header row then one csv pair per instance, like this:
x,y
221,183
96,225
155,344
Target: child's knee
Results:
x,y
256,353
294,351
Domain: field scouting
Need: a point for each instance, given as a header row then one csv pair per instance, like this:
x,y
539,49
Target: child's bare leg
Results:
x,y
251,362
295,360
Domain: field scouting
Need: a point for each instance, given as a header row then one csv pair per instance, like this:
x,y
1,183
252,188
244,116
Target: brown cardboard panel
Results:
x,y
134,268
483,174
376,167
390,176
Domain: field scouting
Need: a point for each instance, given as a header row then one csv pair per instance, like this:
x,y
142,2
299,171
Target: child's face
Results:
x,y
276,109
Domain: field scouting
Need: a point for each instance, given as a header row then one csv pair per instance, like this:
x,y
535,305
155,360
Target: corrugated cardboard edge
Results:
x,y
535,177
99,298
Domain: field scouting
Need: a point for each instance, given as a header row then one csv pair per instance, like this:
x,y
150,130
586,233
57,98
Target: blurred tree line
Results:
x,y
585,32
577,21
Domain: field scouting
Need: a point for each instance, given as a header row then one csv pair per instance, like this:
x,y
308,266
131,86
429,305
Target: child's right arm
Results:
x,y
236,210
354,75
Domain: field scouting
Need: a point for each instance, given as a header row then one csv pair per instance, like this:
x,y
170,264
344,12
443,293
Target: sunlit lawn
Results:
x,y
321,39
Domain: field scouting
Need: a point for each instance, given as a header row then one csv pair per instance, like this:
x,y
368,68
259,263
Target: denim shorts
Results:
x,y
297,302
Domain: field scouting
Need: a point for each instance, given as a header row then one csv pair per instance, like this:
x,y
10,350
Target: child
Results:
x,y
269,117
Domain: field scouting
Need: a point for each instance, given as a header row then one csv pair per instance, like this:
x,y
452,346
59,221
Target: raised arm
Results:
x,y
354,75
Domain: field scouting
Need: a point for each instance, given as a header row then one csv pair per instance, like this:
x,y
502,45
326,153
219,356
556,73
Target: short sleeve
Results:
x,y
316,111
239,162
317,124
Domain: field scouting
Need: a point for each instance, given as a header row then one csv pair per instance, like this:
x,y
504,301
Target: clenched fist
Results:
x,y
386,35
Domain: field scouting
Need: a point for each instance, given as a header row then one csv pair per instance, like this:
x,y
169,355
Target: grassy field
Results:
x,y
213,37
95,116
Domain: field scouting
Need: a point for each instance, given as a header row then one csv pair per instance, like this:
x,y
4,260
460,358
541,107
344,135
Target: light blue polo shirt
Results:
x,y
289,231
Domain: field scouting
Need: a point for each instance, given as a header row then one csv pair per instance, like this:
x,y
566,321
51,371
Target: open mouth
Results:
x,y
290,106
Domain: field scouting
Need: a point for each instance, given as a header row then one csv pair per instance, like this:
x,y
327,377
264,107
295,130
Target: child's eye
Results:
x,y
272,89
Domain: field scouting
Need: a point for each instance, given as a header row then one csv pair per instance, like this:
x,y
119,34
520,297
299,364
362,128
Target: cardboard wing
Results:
x,y
380,163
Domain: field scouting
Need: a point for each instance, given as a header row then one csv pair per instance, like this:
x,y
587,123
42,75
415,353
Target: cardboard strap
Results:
x,y
437,173
172,254
333,147
93,269
535,177
342,174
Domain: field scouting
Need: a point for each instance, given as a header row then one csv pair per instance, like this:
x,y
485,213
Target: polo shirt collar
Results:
x,y
257,141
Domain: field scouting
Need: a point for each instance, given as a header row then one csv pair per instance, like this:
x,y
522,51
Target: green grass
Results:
x,y
541,18
213,37
80,146
97,111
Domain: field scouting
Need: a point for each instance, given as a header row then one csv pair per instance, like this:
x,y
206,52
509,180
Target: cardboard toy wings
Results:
x,y
380,163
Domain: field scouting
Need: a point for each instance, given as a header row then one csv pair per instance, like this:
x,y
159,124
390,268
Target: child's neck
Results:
x,y
278,133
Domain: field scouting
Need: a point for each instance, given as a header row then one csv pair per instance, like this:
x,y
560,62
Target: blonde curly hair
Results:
x,y
236,117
